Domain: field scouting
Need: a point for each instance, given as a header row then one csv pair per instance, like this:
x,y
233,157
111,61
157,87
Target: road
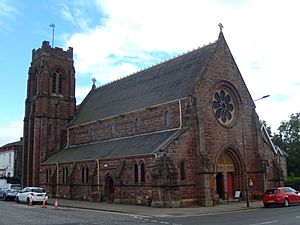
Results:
x,y
12,213
260,216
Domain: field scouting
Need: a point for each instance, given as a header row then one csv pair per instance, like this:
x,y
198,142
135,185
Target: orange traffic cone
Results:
x,y
44,204
55,204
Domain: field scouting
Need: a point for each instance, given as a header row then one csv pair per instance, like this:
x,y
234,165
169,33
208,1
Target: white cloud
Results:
x,y
11,132
74,15
262,36
8,12
7,9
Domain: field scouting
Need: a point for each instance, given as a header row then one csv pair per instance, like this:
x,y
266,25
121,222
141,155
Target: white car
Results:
x,y
32,195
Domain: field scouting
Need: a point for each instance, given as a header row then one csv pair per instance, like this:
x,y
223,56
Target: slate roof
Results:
x,y
16,143
130,146
276,149
168,81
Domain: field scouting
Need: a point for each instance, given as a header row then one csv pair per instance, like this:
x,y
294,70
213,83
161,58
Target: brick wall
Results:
x,y
151,119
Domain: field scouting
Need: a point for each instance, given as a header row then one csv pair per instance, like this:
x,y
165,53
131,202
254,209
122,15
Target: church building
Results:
x,y
183,132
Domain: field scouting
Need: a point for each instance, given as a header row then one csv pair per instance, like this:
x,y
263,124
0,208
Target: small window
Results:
x,y
136,173
54,83
167,119
48,175
87,175
82,175
142,166
60,84
137,124
65,175
57,82
113,130
182,171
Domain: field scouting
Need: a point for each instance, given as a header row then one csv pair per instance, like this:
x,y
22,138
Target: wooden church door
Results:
x,y
229,185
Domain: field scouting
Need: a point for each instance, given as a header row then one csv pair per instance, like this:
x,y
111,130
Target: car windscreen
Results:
x,y
38,190
272,191
16,186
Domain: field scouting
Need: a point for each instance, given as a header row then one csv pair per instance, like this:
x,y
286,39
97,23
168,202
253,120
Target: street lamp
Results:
x,y
245,159
245,170
266,96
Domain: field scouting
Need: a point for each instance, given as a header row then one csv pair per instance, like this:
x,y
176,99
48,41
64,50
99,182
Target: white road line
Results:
x,y
267,222
297,217
162,222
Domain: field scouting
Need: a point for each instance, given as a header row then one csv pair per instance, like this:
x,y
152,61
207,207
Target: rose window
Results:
x,y
223,107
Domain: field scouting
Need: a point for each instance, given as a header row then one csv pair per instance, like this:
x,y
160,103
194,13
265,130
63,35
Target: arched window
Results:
x,y
48,171
136,173
142,166
167,119
60,84
54,84
139,172
65,175
57,82
182,170
84,175
87,175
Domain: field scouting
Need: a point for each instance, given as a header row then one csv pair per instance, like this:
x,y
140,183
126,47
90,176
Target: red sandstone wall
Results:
x,y
151,120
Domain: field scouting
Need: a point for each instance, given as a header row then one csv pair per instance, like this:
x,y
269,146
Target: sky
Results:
x,y
115,38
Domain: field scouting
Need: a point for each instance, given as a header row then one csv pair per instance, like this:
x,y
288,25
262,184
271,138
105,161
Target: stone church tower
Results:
x,y
49,106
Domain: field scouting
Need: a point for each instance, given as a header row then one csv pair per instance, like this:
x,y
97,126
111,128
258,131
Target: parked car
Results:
x,y
280,196
32,195
9,191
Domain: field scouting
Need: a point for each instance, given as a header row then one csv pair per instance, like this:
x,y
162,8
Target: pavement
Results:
x,y
155,212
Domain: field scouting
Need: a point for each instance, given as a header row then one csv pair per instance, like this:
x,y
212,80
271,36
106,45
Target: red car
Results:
x,y
280,196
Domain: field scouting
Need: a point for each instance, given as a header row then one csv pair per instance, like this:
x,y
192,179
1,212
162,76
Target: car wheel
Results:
x,y
4,197
28,201
17,200
286,202
266,205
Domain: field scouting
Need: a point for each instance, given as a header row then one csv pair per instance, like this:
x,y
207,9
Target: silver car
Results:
x,y
9,191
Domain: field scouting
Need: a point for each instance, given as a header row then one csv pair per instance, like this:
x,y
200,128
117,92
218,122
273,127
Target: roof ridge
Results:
x,y
157,64
142,88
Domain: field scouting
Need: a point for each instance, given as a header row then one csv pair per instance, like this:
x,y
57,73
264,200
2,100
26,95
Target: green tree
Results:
x,y
287,138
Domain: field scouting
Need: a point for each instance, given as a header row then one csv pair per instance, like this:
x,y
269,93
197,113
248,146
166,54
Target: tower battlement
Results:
x,y
47,50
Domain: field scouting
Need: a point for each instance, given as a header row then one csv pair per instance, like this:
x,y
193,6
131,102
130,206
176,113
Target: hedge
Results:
x,y
293,182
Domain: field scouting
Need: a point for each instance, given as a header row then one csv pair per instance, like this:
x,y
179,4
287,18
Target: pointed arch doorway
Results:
x,y
109,189
228,174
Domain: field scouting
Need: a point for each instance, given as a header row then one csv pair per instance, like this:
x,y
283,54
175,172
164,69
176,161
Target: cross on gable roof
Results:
x,y
168,81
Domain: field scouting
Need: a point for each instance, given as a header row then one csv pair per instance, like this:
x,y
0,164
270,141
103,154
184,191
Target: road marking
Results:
x,y
268,222
297,217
